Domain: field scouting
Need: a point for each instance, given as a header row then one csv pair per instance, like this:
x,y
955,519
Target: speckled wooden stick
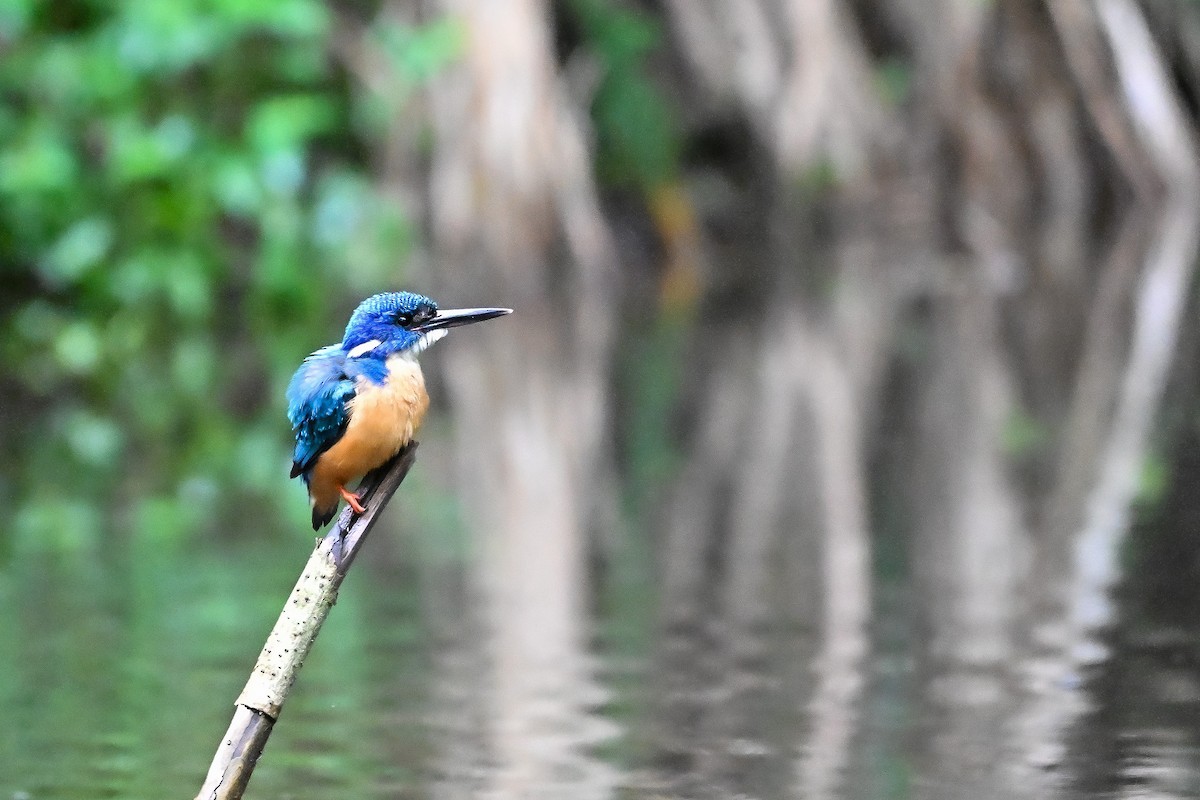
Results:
x,y
316,591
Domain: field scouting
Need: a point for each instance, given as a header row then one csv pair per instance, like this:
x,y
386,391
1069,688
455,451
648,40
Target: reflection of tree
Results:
x,y
514,218
950,197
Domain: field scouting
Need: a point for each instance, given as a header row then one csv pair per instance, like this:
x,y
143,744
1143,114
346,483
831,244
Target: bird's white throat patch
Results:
x,y
423,343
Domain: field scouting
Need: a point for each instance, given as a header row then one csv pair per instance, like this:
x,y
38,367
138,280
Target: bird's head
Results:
x,y
404,322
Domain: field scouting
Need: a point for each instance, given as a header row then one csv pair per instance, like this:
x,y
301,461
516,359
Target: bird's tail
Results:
x,y
322,514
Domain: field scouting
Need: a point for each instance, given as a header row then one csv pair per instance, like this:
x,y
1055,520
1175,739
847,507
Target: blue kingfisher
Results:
x,y
355,404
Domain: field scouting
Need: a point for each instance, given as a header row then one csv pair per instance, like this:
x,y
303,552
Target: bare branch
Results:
x,y
294,633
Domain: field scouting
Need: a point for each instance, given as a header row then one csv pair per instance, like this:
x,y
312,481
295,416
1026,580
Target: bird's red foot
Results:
x,y
354,500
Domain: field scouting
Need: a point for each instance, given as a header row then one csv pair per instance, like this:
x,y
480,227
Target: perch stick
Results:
x,y
306,608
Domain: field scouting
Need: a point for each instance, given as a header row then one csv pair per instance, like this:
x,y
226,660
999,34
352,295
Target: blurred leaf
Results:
x,y
58,76
365,233
60,524
283,124
419,53
164,35
78,347
283,171
637,127
292,18
193,366
139,152
14,17
175,135
93,439
77,251
1022,435
163,519
109,81
134,152
620,34
135,278
42,162
237,187
126,334
819,177
262,458
302,64
639,141
1153,481
342,202
893,81
199,492
38,322
187,286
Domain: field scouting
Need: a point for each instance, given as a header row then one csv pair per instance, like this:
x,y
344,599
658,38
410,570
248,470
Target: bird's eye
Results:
x,y
404,318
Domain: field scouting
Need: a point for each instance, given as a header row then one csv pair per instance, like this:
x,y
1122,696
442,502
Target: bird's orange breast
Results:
x,y
383,418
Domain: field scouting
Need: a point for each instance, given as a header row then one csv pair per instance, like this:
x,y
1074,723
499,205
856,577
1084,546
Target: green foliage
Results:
x,y
1154,481
184,213
653,375
1022,435
893,81
638,141
417,54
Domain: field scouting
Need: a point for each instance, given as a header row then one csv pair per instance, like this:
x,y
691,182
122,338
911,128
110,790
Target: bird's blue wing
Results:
x,y
317,397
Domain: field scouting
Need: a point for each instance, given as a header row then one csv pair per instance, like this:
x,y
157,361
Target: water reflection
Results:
x,y
969,550
1139,734
418,687
118,673
771,642
513,712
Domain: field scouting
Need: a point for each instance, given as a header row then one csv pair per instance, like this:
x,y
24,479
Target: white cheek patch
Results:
x,y
427,339
363,349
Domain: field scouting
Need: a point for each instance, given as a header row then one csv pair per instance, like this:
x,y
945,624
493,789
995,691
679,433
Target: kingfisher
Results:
x,y
355,404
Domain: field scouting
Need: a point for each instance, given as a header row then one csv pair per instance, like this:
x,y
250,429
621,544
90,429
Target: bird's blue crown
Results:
x,y
386,318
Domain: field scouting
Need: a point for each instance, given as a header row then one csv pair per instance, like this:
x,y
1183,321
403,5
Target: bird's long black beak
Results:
x,y
453,317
